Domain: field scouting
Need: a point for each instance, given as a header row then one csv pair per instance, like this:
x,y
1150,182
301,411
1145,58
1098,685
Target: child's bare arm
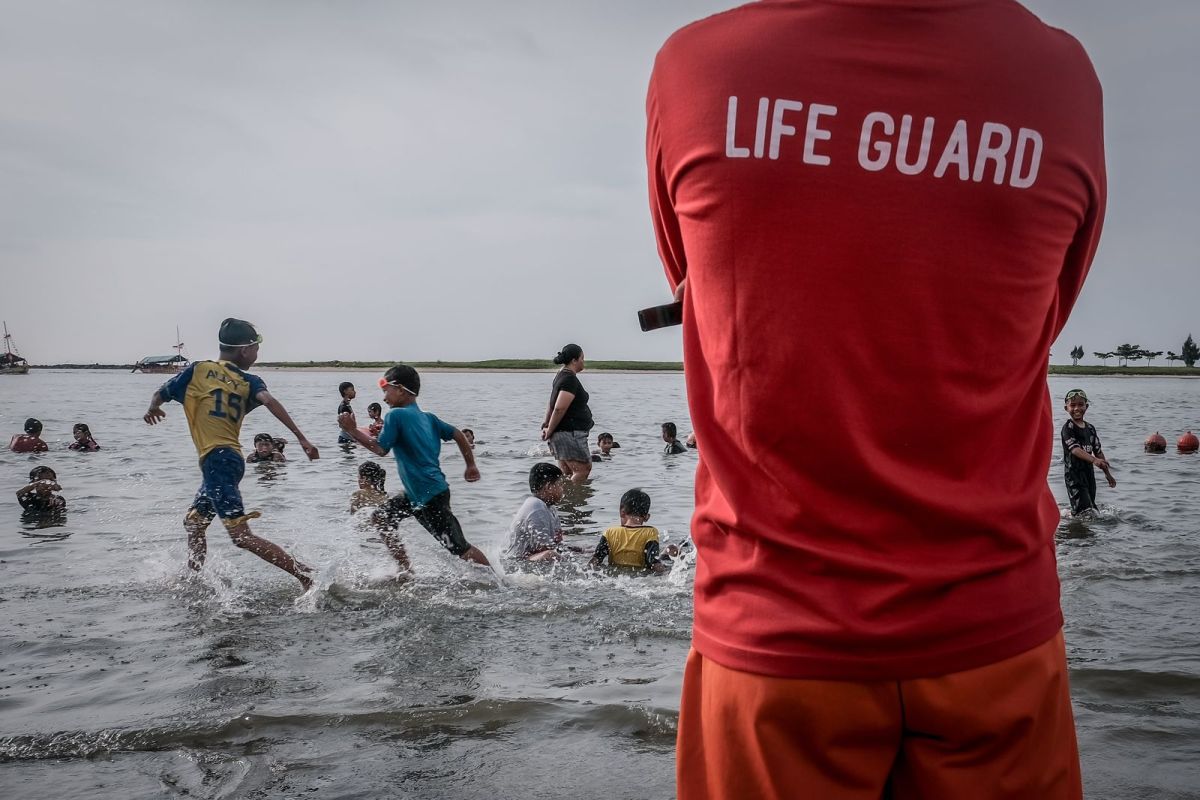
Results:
x,y
155,414
350,425
472,473
280,413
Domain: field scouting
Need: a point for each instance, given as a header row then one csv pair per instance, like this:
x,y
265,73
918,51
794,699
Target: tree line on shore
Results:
x,y
1126,353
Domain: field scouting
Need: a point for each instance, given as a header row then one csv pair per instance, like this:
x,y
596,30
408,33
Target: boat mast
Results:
x,y
8,348
178,342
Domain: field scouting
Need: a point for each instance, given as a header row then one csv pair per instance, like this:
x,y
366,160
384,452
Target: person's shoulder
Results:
x,y
698,32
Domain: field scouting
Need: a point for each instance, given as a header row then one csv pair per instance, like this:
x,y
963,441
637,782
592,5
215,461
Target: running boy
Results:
x,y
216,396
633,543
1082,452
414,438
536,533
346,390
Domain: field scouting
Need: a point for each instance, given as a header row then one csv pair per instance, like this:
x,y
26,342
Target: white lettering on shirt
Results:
x,y
883,149
814,134
989,152
779,128
955,153
917,167
731,149
884,144
1025,139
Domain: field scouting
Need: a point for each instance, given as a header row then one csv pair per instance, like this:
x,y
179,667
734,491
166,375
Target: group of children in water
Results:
x,y
216,395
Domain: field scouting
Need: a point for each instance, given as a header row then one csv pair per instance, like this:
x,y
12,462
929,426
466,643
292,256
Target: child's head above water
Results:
x,y
1076,403
635,507
263,444
669,432
401,384
346,390
81,431
279,444
470,434
374,411
33,427
371,476
42,474
606,442
546,483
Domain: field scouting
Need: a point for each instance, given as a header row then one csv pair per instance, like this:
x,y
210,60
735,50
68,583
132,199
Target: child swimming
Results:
x,y
370,492
30,441
535,533
633,544
39,495
83,439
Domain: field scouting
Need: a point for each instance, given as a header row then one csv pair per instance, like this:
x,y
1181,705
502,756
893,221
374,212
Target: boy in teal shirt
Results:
x,y
414,438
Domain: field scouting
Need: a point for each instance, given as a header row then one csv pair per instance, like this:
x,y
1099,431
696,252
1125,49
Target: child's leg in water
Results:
x,y
269,552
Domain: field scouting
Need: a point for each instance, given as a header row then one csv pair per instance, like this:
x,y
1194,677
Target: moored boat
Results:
x,y
164,364
11,362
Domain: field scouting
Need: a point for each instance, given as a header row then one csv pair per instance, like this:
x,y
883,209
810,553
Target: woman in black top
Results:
x,y
568,418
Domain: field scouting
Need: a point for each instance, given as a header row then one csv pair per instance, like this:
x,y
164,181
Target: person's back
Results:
x,y
896,326
884,212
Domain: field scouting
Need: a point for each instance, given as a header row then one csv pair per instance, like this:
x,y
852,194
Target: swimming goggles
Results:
x,y
384,382
1076,393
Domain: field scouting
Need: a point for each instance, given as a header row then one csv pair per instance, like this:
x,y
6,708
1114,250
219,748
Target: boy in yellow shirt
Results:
x,y
216,396
632,544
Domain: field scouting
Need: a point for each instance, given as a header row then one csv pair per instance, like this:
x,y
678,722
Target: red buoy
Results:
x,y
1188,443
1156,443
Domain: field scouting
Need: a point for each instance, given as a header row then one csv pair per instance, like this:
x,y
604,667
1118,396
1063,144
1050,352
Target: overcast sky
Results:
x,y
402,180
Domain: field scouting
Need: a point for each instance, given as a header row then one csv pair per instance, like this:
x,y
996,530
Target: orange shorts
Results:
x,y
1000,731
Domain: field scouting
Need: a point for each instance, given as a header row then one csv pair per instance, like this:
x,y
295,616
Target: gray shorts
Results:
x,y
570,446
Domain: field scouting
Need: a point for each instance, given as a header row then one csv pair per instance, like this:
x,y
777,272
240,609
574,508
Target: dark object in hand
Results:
x,y
661,316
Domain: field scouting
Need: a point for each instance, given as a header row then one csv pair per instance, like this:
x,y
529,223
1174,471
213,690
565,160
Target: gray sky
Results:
x,y
396,180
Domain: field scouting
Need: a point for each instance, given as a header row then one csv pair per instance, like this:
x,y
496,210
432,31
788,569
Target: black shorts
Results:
x,y
1081,490
435,516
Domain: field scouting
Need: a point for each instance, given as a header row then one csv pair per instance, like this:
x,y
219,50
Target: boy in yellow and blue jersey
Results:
x,y
216,396
632,544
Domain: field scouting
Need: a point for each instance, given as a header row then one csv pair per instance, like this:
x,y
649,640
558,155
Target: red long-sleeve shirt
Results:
x,y
884,212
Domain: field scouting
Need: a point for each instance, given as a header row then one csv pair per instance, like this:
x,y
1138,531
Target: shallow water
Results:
x,y
121,676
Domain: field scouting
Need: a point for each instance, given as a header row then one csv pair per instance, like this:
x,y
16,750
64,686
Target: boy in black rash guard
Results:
x,y
346,390
1082,452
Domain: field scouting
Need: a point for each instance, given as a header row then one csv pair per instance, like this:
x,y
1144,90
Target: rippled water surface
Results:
x,y
122,677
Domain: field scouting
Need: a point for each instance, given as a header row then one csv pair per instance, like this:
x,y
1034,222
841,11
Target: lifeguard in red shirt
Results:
x,y
883,212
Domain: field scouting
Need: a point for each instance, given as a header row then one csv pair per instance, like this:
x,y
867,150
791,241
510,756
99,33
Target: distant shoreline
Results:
x,y
538,365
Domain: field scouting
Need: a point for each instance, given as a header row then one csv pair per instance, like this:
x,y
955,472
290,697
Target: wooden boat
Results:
x,y
168,365
11,362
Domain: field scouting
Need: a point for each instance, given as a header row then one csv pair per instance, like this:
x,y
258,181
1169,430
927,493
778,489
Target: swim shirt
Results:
x,y
535,527
414,438
22,443
1086,437
216,397
635,547
885,212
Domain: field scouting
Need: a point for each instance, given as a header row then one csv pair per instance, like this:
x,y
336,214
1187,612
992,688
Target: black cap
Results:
x,y
237,333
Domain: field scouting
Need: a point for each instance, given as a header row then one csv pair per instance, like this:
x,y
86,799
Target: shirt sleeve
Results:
x,y
601,549
650,553
1069,440
391,432
176,388
1096,446
667,232
444,430
257,385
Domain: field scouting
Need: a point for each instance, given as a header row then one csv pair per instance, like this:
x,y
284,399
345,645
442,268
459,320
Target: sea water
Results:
x,y
123,676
